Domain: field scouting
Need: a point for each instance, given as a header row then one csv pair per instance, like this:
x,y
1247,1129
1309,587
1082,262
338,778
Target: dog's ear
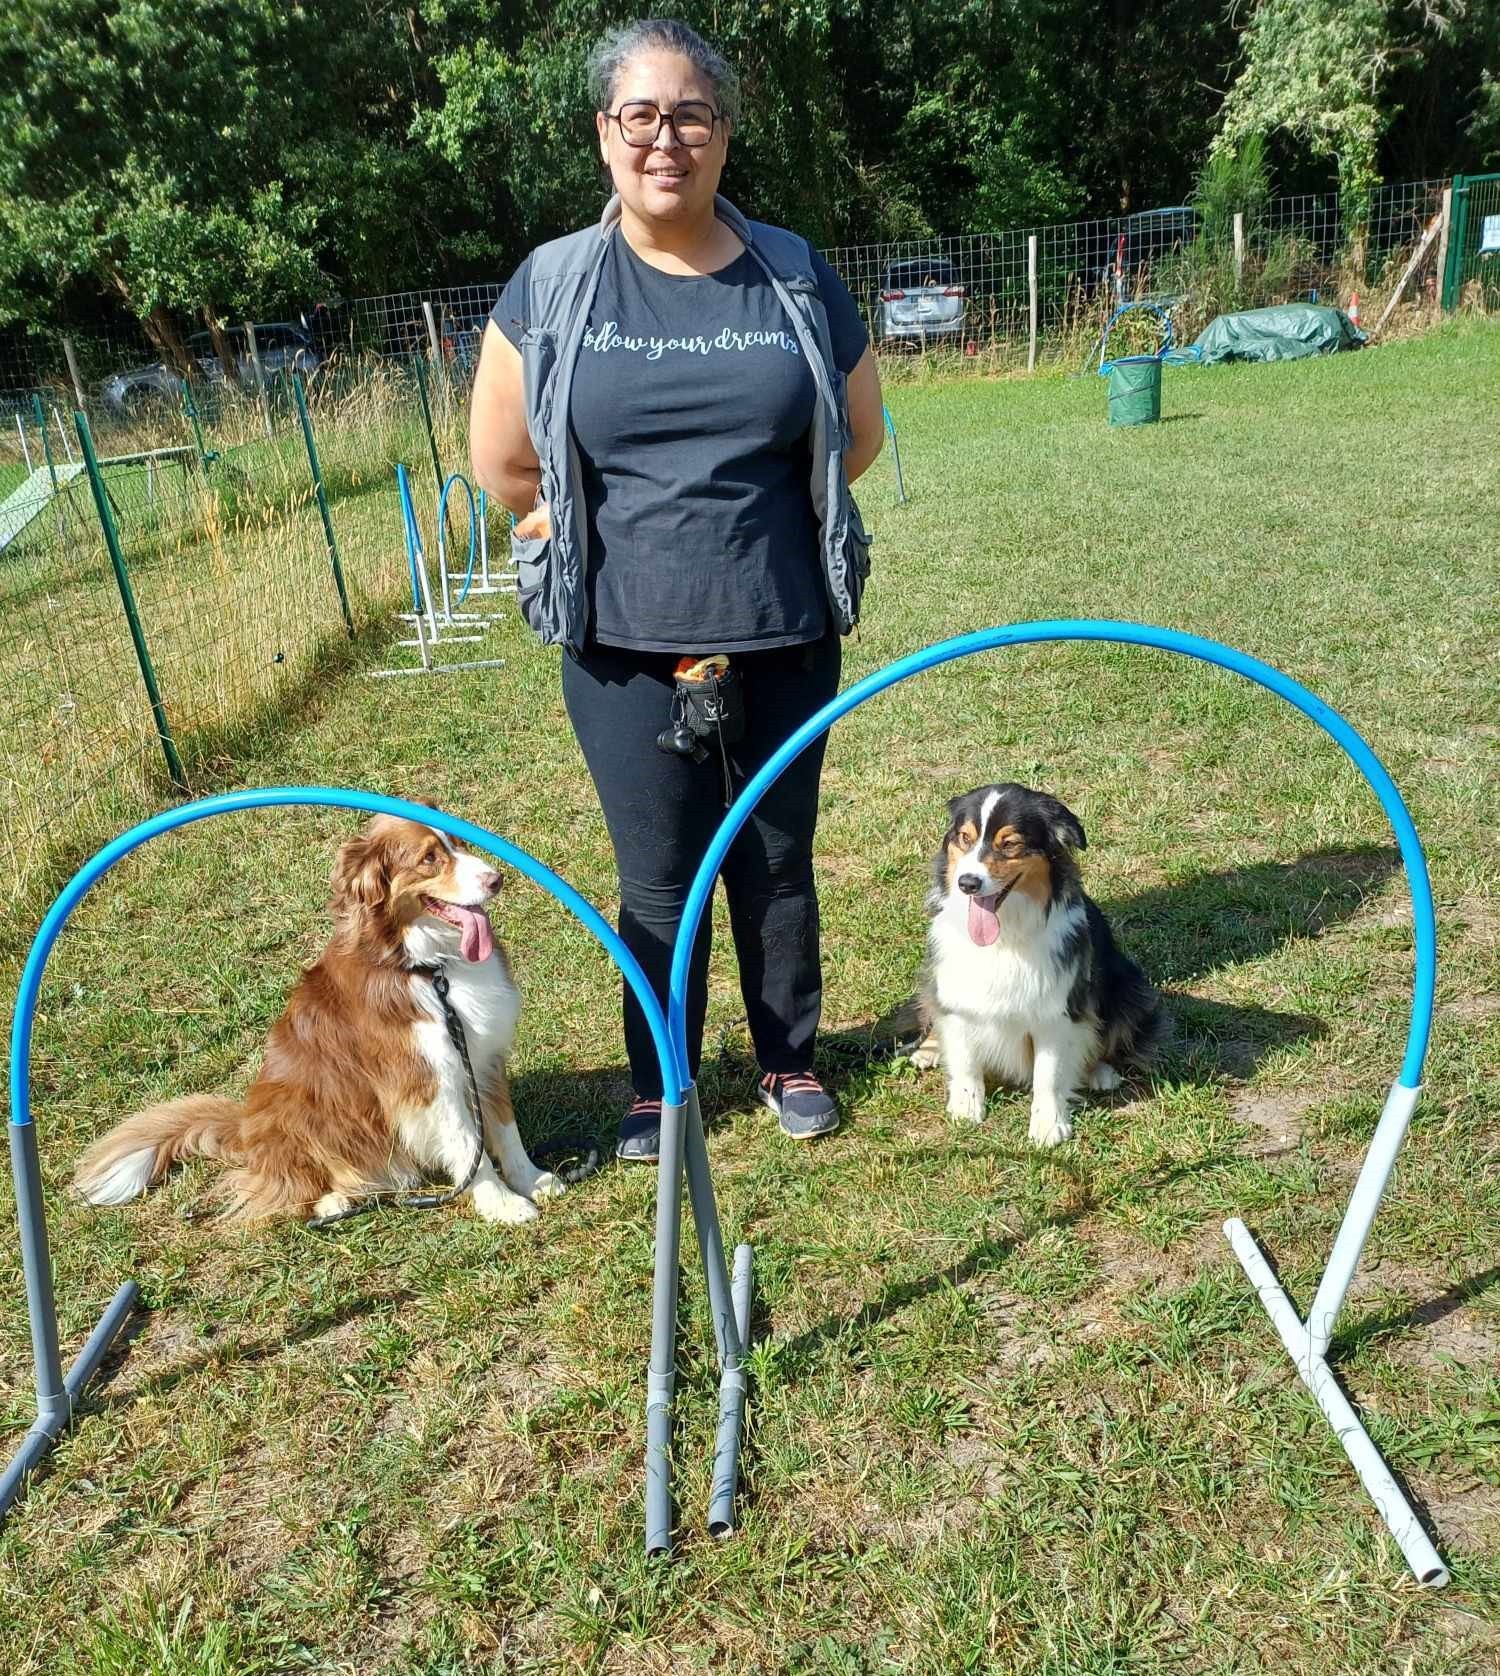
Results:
x,y
1064,825
359,877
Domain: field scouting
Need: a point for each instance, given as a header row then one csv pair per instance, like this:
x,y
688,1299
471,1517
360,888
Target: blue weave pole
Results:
x,y
57,1394
890,429
1307,1341
413,535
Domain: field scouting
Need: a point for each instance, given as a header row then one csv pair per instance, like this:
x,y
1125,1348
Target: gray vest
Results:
x,y
564,279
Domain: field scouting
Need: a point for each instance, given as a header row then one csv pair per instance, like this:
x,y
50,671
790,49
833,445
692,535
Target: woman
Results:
x,y
675,403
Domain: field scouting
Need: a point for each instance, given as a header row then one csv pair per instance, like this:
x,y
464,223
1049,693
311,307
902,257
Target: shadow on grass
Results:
x,y
98,1397
1183,931
1425,1314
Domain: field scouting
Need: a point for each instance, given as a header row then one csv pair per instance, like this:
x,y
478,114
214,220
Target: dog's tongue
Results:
x,y
984,922
476,940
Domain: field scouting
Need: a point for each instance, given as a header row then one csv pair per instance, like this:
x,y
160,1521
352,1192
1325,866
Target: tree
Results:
x,y
202,157
1337,76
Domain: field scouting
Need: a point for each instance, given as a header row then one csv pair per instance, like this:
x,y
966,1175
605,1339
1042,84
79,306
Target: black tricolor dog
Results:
x,y
1024,982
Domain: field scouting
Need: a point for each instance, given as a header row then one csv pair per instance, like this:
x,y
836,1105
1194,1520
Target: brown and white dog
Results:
x,y
362,1091
1024,981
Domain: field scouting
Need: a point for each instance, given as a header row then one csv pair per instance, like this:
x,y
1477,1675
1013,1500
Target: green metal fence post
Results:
x,y
421,372
1457,231
206,455
41,426
127,599
299,390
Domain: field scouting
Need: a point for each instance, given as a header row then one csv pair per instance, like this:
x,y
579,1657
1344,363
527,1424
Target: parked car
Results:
x,y
921,301
1140,242
283,348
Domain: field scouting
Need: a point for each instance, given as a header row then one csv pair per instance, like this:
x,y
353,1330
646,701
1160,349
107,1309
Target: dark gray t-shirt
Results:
x,y
691,407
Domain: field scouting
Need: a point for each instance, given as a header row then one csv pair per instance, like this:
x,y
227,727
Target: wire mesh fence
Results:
x,y
157,609
204,468
971,293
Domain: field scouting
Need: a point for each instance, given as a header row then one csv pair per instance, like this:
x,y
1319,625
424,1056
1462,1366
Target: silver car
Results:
x,y
283,348
921,301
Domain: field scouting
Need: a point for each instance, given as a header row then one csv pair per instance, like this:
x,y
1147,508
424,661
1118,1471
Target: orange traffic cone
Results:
x,y
1354,309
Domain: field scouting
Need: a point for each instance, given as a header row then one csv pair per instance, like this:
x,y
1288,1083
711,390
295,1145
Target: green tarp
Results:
x,y
1286,332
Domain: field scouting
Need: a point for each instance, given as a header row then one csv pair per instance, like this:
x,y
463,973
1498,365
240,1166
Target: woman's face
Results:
x,y
666,180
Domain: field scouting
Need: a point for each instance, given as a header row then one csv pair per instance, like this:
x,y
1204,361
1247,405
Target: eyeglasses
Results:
x,y
641,122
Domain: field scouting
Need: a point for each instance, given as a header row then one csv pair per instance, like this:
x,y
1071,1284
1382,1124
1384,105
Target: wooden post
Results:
x,y
1442,258
78,381
260,377
1411,268
1239,249
435,354
1031,287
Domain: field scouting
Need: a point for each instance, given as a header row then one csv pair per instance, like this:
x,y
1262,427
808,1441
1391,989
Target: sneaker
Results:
x,y
805,1107
640,1133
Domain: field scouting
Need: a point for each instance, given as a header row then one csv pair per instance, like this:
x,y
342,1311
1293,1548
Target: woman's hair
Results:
x,y
617,47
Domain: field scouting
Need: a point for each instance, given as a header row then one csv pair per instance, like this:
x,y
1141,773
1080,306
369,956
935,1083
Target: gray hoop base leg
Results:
x,y
56,1394
729,1304
46,1429
661,1379
683,1148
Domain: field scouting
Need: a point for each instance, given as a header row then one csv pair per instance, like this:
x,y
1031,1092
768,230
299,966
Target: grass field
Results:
x,y
1009,1412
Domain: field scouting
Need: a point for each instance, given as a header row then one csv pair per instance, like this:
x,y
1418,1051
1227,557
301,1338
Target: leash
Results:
x,y
429,1201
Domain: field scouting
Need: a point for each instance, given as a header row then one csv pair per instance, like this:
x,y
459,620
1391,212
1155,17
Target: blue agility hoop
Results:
x,y
458,477
1306,1341
1027,634
57,1394
366,802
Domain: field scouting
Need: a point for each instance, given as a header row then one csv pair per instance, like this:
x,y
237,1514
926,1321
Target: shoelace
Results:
x,y
645,1108
795,1082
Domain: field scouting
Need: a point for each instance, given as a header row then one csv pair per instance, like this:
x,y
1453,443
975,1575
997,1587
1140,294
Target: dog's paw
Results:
x,y
333,1204
966,1102
1050,1126
547,1186
926,1055
498,1204
1104,1078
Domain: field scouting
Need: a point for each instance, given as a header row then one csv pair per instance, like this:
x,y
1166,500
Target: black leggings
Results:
x,y
662,810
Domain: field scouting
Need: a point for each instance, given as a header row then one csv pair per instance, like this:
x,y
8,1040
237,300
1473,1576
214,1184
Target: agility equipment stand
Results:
x,y
504,582
1307,1342
682,1148
432,630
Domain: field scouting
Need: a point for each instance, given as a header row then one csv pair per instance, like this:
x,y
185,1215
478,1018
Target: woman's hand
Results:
x,y
536,525
500,448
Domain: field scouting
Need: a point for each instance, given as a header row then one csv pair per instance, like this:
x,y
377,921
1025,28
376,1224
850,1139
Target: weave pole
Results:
x,y
1306,1341
58,1395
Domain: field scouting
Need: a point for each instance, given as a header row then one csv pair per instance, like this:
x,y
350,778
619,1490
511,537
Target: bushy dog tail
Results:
x,y
137,1153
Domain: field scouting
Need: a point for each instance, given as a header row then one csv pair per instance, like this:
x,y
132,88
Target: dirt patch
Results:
x,y
1477,918
1275,1121
1472,1009
1468,1519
